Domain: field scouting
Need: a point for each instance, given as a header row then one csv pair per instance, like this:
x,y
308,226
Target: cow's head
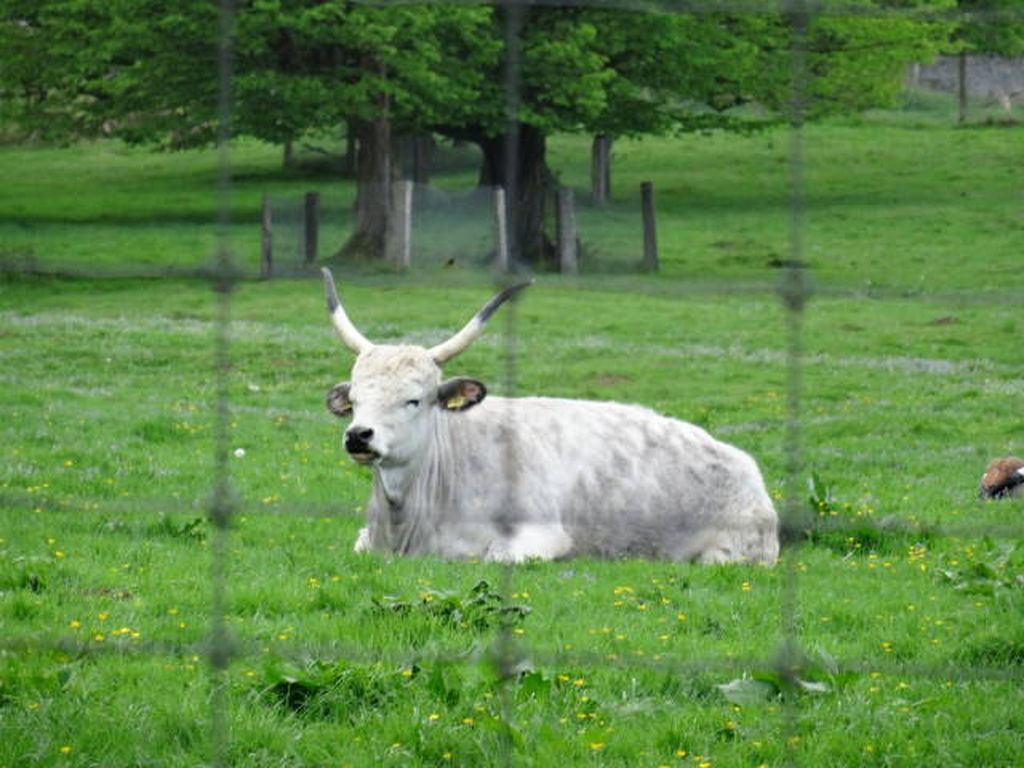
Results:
x,y
394,391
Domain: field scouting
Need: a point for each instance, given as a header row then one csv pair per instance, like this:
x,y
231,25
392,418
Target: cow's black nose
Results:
x,y
357,439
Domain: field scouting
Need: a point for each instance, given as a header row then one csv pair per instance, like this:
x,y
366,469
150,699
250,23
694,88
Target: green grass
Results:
x,y
908,614
892,202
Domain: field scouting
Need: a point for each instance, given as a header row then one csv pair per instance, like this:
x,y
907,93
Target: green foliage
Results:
x,y
837,61
308,66
55,66
479,610
990,569
134,69
564,73
334,690
992,26
195,529
849,528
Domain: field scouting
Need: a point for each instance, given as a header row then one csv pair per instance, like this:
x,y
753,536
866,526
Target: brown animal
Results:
x,y
1004,477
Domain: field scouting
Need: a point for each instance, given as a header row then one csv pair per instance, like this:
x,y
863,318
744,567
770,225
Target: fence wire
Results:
x,y
219,647
793,291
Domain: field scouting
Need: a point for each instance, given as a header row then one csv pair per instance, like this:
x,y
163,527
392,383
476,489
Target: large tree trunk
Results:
x,y
351,148
420,152
373,190
518,162
601,170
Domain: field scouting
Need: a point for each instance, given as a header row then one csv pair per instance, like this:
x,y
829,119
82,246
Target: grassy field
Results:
x,y
887,209
908,614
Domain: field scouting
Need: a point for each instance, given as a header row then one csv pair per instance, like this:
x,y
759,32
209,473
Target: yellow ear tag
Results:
x,y
455,403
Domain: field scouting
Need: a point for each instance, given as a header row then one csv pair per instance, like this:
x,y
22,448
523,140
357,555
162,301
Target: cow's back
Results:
x,y
620,479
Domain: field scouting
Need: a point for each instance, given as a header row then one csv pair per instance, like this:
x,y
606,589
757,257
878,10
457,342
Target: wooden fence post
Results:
x,y
312,223
567,261
266,240
402,208
600,170
501,262
650,262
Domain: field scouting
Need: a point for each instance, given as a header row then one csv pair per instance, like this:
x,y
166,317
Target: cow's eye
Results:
x,y
412,403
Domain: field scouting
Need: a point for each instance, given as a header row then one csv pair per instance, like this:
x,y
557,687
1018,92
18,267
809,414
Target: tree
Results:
x,y
306,65
657,90
146,72
623,73
55,57
987,26
504,77
549,78
857,62
597,71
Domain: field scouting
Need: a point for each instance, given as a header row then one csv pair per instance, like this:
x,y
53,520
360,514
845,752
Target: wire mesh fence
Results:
x,y
338,648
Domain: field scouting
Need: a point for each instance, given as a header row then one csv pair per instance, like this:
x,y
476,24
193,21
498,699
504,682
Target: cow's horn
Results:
x,y
446,350
353,339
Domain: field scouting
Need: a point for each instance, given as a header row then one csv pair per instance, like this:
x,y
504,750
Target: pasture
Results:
x,y
904,600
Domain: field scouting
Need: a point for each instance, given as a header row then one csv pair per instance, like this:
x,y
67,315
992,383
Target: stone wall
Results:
x,y
988,77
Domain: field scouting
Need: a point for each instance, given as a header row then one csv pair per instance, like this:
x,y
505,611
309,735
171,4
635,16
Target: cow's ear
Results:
x,y
460,394
337,400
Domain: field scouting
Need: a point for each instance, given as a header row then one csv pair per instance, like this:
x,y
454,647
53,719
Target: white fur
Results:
x,y
531,541
516,479
362,541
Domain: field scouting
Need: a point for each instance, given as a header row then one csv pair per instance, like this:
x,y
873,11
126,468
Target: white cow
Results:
x,y
461,475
